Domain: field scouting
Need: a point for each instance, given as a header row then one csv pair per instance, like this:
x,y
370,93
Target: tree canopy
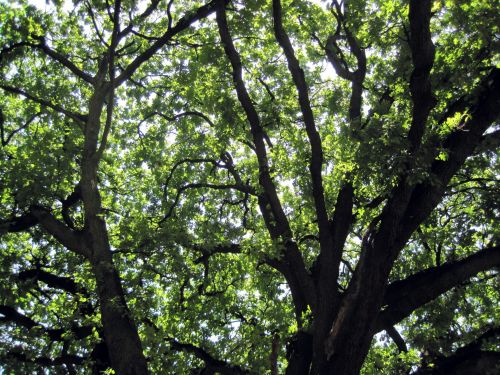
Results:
x,y
249,187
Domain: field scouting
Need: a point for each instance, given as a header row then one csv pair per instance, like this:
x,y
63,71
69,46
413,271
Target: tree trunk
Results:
x,y
120,332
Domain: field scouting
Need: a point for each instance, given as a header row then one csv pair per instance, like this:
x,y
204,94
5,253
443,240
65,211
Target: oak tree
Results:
x,y
249,187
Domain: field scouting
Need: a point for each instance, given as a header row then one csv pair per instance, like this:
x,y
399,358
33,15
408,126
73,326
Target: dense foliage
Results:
x,y
249,186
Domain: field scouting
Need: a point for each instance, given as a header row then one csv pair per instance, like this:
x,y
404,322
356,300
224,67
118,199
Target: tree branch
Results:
x,y
46,361
405,296
397,338
460,144
336,58
276,221
147,12
226,163
232,248
489,142
212,365
316,162
78,117
422,51
12,315
341,221
70,239
183,23
65,61
242,188
177,116
467,360
54,281
18,224
5,141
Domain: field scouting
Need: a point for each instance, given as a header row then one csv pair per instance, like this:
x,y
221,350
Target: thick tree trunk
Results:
x,y
346,362
120,332
299,354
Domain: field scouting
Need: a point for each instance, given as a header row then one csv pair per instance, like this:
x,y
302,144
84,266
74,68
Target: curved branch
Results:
x,y
185,22
460,144
184,161
227,163
177,116
300,282
405,296
78,117
12,315
212,365
70,239
422,51
467,360
336,58
5,141
243,188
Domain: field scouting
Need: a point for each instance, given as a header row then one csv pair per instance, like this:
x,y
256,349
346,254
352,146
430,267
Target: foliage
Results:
x,y
194,233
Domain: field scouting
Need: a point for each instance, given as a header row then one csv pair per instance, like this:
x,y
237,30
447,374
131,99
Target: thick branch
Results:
x,y
64,60
316,162
484,110
18,224
405,296
38,215
212,365
422,51
183,23
467,360
78,117
328,265
277,223
341,220
207,252
12,315
397,338
70,239
46,361
54,281
69,202
489,142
